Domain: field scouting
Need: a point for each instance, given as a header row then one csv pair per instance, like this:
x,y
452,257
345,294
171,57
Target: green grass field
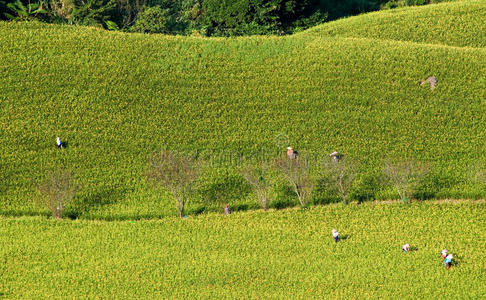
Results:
x,y
279,254
116,97
456,24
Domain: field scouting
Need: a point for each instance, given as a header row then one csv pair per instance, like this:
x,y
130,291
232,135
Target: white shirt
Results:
x,y
58,141
335,234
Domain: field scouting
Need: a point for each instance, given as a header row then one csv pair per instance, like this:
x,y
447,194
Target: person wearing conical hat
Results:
x,y
406,248
335,156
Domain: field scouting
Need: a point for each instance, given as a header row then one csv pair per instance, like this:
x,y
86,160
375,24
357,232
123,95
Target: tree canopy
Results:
x,y
204,17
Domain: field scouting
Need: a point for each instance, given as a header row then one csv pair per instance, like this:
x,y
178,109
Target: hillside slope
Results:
x,y
460,24
115,98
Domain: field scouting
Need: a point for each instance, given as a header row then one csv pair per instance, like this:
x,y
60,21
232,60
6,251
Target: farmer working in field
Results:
x,y
443,254
291,154
59,144
448,261
335,235
335,156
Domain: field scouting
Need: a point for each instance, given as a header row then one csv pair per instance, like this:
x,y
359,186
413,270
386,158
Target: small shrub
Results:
x,y
322,195
282,195
365,187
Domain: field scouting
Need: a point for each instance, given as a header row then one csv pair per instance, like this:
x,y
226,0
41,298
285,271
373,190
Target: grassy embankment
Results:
x,y
350,86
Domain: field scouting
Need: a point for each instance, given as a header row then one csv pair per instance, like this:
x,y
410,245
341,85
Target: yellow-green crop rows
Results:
x,y
117,97
455,24
287,254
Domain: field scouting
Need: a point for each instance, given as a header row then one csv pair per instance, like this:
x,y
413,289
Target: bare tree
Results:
x,y
339,176
405,176
176,172
57,191
297,172
259,179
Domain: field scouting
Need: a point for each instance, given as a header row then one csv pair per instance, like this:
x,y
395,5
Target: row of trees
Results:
x,y
178,174
206,17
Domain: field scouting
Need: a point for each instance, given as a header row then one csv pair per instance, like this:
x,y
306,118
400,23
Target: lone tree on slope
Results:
x,y
57,191
339,176
405,176
259,178
175,172
297,172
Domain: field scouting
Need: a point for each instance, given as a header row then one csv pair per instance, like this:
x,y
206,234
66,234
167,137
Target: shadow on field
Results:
x,y
94,199
456,261
344,237
242,207
199,210
65,144
219,208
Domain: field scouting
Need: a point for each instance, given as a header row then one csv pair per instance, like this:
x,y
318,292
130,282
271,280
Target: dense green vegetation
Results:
x,y
281,254
115,98
201,17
